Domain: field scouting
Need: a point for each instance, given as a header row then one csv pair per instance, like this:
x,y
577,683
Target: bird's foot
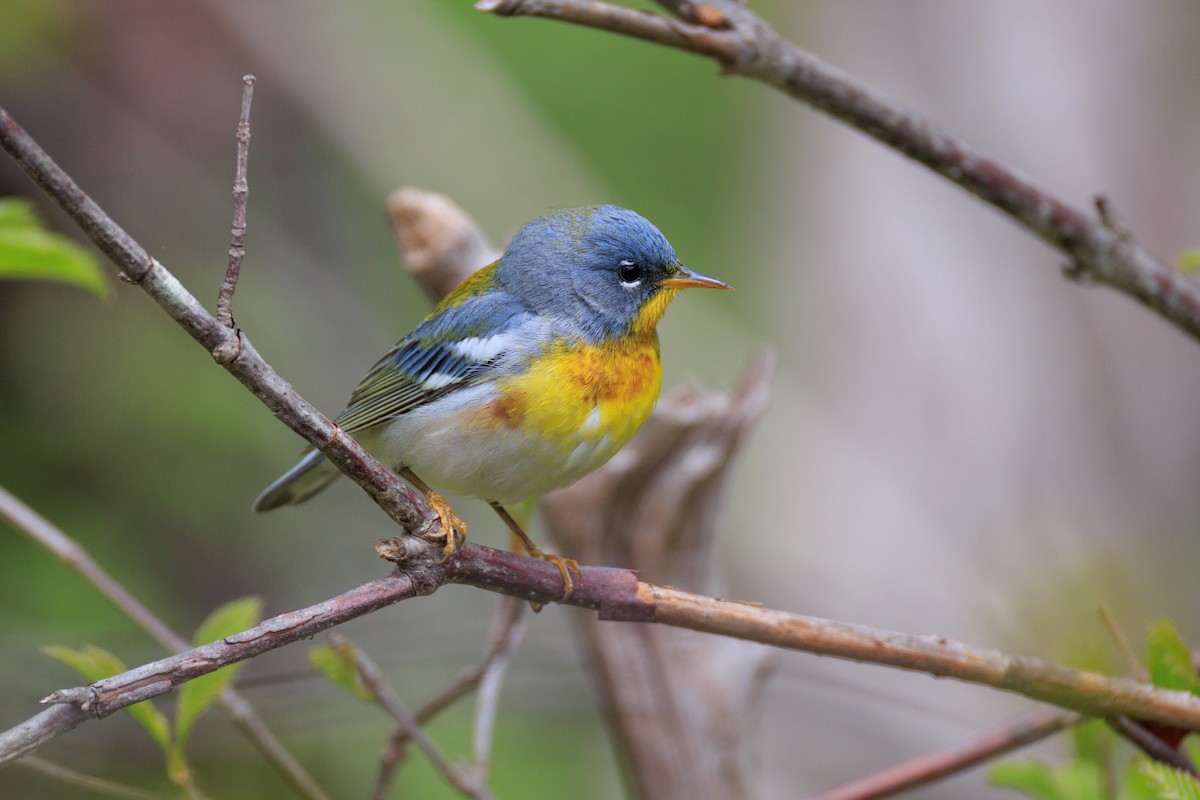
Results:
x,y
565,565
450,525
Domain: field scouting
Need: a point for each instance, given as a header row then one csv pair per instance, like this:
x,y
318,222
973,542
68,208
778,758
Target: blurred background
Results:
x,y
960,441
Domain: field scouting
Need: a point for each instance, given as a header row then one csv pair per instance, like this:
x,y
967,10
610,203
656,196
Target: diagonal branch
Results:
x,y
229,347
932,767
743,44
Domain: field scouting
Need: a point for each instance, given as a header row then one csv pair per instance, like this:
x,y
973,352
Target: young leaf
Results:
x,y
28,251
1170,783
1168,659
198,694
337,664
94,663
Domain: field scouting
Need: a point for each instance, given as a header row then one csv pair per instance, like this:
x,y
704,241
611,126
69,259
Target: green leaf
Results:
x,y
1170,783
1168,659
1075,781
1188,261
94,663
198,694
336,662
1093,741
28,251
1030,778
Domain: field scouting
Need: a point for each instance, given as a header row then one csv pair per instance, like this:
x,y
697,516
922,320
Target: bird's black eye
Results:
x,y
629,273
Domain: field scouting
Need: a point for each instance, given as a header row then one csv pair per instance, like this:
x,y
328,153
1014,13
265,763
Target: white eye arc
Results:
x,y
630,274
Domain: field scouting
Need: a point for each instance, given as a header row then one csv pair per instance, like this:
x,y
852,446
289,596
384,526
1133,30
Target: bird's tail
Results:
x,y
310,476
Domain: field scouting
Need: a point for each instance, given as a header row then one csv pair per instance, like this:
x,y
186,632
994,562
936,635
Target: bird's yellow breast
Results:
x,y
584,398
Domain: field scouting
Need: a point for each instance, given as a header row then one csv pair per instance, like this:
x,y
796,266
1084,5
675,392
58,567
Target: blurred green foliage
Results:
x,y
29,252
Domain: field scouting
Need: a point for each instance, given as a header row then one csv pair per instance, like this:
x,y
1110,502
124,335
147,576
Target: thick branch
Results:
x,y
745,45
615,594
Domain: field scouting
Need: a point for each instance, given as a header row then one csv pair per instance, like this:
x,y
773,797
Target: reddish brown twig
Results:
x,y
933,767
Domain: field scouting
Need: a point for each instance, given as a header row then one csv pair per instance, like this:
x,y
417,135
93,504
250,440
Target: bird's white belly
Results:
x,y
450,446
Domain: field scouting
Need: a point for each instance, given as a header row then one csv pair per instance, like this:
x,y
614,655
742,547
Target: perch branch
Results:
x,y
616,594
743,44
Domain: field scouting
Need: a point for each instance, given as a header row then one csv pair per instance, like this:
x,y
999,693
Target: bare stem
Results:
x,y
1151,744
89,782
506,633
241,190
1132,662
932,767
385,697
743,44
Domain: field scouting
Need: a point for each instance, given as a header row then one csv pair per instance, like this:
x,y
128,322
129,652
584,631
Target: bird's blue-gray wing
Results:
x,y
452,349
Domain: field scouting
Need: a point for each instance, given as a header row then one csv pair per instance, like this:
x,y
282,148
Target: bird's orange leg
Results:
x,y
522,542
450,525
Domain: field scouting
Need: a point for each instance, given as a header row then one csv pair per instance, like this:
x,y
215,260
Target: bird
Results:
x,y
534,372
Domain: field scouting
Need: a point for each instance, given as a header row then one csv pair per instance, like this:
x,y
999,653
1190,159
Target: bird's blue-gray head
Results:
x,y
604,270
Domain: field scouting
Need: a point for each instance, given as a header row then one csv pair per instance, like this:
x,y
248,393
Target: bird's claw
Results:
x,y
450,525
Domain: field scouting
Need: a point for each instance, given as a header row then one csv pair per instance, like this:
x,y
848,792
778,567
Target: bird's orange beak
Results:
x,y
688,278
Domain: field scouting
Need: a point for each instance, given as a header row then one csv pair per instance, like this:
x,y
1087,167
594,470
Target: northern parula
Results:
x,y
532,373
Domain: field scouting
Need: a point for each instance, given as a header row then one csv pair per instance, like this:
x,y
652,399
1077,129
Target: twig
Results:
x,y
91,782
385,697
1150,744
932,767
617,595
71,553
241,189
1132,662
506,634
745,45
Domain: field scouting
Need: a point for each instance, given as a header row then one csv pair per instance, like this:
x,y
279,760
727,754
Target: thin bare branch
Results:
x,y
1151,744
236,707
1132,662
506,635
241,190
385,697
932,767
83,780
743,44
